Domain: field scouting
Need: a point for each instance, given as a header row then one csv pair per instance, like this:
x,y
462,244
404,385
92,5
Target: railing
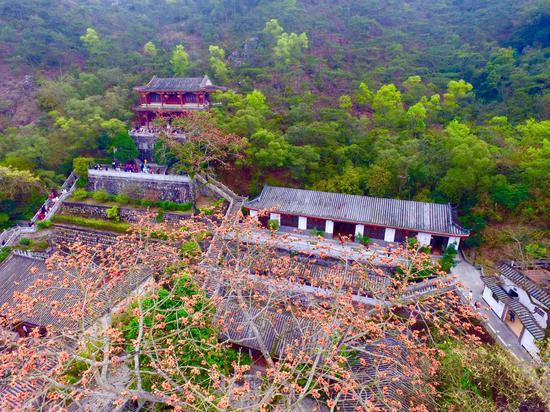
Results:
x,y
139,176
173,106
52,207
154,134
219,187
31,254
9,235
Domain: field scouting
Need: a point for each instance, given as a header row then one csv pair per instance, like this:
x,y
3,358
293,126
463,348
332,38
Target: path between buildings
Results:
x,y
470,279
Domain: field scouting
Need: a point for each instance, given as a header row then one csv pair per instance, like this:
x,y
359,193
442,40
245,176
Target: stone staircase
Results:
x,y
9,236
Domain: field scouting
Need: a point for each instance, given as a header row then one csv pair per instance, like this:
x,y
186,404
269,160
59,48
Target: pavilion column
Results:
x,y
181,98
359,230
329,228
424,238
389,235
453,241
302,223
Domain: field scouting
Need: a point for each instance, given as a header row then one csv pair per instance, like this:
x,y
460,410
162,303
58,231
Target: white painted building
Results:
x,y
351,216
521,302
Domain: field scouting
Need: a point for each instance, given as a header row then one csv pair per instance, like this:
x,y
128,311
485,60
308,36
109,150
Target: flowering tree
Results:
x,y
205,145
240,326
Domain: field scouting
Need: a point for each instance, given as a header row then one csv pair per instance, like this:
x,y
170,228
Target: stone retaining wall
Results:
x,y
141,185
67,234
127,214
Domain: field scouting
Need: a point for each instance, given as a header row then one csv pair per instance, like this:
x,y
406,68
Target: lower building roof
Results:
x,y
401,214
534,290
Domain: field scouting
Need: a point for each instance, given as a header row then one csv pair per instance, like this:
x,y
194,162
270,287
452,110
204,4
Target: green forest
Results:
x,y
431,100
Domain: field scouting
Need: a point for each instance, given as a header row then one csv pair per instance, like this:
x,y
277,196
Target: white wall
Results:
x,y
389,235
528,342
302,223
329,227
496,306
359,230
453,241
526,301
424,238
253,213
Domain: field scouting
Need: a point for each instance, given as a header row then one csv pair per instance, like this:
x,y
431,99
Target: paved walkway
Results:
x,y
470,278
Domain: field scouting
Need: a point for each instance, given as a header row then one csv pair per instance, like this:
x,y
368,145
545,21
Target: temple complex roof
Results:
x,y
401,214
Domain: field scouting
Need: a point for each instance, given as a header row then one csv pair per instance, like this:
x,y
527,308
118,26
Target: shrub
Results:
x,y
4,253
190,248
168,205
25,242
448,260
317,232
80,167
412,242
364,240
92,223
40,246
207,211
44,224
4,219
80,194
159,234
160,216
101,195
122,199
273,224
112,214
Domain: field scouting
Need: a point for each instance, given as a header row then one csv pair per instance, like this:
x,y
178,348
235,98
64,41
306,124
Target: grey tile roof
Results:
x,y
278,331
525,283
402,214
380,368
17,274
191,84
521,311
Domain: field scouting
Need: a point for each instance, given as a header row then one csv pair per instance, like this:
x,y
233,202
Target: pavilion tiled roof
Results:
x,y
400,214
525,283
191,84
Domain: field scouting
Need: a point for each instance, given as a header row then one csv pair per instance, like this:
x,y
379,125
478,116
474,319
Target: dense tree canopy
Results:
x,y
434,101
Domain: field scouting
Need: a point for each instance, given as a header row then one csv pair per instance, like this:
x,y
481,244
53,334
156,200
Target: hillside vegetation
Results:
x,y
444,101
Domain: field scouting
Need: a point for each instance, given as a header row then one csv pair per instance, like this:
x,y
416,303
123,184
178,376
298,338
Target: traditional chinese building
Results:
x,y
167,98
172,97
520,296
339,215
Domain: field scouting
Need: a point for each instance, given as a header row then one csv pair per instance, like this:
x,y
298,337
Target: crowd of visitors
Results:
x,y
53,198
155,130
132,167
